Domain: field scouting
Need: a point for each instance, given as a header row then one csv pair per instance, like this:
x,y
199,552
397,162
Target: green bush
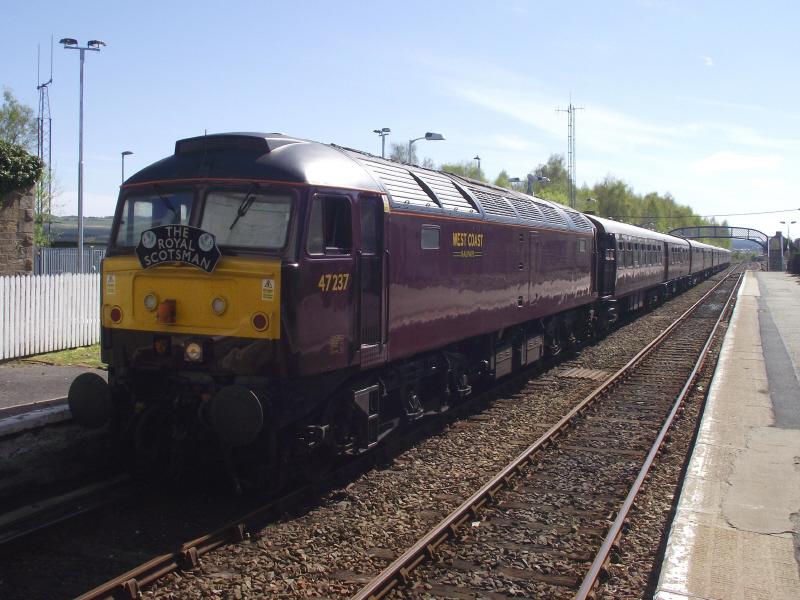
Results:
x,y
18,169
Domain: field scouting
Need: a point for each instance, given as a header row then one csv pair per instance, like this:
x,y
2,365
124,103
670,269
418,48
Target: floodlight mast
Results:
x,y
383,132
94,46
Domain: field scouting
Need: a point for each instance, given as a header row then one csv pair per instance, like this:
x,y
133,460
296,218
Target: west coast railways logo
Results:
x,y
467,245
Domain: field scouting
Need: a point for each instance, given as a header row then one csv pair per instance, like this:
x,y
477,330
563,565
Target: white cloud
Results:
x,y
510,142
731,162
707,61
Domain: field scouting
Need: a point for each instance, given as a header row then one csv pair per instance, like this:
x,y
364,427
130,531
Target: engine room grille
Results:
x,y
526,209
446,191
403,188
551,214
493,203
579,221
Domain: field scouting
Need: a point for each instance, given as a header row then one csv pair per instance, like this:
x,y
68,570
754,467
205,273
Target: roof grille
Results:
x,y
401,185
493,203
579,221
446,191
526,209
551,214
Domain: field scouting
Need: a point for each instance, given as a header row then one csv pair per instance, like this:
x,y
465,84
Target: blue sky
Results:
x,y
699,99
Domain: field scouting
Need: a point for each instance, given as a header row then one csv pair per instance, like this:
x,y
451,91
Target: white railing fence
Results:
x,y
45,313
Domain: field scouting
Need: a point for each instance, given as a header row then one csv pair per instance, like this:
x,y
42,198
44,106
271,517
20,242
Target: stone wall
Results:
x,y
16,233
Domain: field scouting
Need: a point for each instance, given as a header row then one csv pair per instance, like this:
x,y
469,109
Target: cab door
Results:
x,y
371,305
326,337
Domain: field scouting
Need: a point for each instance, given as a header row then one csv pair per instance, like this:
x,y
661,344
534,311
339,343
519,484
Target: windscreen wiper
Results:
x,y
166,202
249,198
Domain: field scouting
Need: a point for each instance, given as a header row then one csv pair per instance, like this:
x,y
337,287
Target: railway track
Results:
x,y
186,555
46,512
548,523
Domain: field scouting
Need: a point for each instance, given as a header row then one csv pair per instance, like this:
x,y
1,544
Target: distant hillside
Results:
x,y
96,231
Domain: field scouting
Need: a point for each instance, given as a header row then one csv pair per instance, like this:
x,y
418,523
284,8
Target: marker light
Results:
x,y
218,305
166,312
150,301
259,321
116,314
193,352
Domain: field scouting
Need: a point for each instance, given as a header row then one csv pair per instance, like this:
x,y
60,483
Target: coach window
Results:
x,y
629,255
429,238
330,226
581,245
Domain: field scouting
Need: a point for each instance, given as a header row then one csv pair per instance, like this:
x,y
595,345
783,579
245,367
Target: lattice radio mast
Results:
x,y
44,147
570,110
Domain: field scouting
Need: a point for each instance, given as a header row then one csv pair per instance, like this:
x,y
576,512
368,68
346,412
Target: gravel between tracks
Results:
x,y
330,549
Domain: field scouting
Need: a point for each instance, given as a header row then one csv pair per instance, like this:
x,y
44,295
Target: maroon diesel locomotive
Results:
x,y
285,301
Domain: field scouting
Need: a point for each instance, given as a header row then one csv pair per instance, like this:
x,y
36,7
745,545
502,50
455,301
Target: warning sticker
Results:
x,y
268,290
111,284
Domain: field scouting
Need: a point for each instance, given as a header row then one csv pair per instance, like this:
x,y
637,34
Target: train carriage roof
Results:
x,y
618,228
277,157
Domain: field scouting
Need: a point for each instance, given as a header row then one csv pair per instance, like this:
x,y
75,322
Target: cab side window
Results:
x,y
330,226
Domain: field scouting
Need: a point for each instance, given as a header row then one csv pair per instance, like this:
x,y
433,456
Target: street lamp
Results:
x,y
94,46
478,158
788,235
428,136
124,154
383,132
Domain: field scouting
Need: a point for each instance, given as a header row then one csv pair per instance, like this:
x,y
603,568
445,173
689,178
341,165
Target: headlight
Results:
x,y
218,305
193,352
150,301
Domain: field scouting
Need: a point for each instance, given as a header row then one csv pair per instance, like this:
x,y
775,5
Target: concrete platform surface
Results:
x,y
736,533
22,384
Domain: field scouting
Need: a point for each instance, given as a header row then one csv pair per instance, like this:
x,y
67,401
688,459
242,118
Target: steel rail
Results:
x,y
45,513
398,572
611,540
129,584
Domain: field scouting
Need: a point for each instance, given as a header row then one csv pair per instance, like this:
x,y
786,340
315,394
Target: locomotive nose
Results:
x,y
89,400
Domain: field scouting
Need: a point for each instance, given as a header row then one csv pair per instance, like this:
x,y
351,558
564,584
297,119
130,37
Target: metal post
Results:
x,y
93,45
124,153
80,175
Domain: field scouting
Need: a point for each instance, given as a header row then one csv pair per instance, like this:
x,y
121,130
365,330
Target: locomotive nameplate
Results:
x,y
178,243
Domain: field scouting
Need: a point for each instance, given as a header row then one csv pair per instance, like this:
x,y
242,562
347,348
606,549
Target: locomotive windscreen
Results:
x,y
240,217
147,210
246,218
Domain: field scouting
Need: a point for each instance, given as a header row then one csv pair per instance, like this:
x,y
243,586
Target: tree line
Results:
x,y
612,197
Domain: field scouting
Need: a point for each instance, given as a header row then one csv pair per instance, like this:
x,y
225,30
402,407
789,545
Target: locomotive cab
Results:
x,y
234,299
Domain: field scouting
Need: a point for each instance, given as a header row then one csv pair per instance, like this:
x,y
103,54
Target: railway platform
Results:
x,y
736,532
34,395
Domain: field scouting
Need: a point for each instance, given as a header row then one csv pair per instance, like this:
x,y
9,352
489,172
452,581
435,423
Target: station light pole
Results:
x,y
94,46
383,132
788,235
478,158
124,154
431,137
530,179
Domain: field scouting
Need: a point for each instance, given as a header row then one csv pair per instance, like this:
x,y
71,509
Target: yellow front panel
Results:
x,y
248,286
